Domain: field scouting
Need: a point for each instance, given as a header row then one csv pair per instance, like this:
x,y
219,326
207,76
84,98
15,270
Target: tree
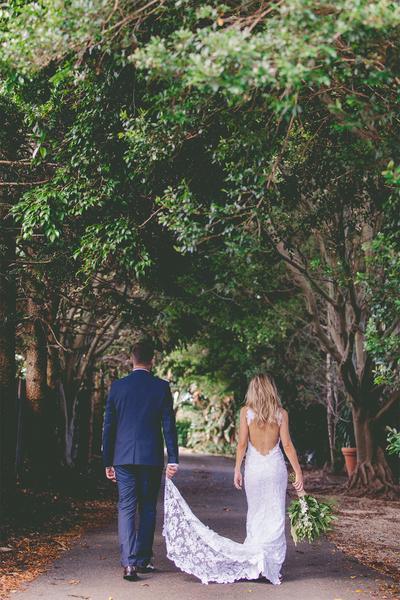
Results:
x,y
87,265
7,353
264,123
302,106
11,141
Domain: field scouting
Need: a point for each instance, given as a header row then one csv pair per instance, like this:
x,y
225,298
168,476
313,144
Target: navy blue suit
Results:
x,y
139,410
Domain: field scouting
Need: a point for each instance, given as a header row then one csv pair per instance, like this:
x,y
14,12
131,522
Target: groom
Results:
x,y
138,407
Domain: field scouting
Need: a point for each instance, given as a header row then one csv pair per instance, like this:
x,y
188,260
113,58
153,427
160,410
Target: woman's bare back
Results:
x,y
262,437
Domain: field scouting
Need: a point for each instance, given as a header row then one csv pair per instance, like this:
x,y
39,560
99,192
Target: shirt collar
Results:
x,y
141,369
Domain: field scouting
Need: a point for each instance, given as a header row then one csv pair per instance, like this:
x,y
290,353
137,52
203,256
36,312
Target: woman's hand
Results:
x,y
298,484
238,479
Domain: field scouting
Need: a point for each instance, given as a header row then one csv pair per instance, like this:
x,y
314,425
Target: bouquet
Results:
x,y
309,518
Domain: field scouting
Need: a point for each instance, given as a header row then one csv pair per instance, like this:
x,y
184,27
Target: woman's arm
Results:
x,y
290,452
241,449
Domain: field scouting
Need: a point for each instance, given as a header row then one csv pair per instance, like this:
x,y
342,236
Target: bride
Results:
x,y
198,550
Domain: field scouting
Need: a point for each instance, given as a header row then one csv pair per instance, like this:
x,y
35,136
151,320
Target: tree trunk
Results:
x,y
85,421
339,314
95,411
99,400
19,447
56,410
71,434
36,359
7,353
330,416
39,455
372,473
57,400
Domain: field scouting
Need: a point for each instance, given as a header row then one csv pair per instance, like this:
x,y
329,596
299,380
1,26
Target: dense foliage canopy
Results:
x,y
224,177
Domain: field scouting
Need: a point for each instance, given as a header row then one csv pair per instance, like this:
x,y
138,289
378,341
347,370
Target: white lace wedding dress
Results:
x,y
199,551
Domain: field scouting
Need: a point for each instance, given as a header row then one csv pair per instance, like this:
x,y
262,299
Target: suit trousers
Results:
x,y
138,489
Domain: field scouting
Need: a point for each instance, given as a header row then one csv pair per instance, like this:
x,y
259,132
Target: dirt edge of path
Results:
x,y
367,529
26,556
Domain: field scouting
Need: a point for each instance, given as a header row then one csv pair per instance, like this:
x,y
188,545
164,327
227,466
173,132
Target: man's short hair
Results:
x,y
143,352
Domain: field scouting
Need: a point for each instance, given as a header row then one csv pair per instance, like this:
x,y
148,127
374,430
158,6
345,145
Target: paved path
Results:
x,y
90,570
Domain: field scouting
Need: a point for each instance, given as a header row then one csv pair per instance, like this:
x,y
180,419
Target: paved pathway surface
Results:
x,y
90,570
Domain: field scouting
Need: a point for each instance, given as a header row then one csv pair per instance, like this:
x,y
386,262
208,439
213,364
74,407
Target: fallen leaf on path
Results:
x,y
62,545
6,549
74,581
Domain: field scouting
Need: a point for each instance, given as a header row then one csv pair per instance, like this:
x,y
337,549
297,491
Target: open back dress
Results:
x,y
198,550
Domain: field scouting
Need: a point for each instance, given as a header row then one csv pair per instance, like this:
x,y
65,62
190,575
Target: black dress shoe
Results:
x,y
130,574
147,569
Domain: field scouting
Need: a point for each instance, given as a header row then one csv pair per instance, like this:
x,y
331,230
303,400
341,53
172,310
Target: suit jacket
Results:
x,y
139,409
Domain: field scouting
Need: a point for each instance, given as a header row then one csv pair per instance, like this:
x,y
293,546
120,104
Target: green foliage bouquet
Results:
x,y
309,518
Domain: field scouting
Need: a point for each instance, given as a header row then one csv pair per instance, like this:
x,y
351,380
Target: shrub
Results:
x,y
183,428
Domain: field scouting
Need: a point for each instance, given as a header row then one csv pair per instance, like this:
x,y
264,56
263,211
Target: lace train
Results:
x,y
198,550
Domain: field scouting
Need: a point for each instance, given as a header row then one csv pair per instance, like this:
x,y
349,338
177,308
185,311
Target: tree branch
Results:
x,y
283,253
108,342
93,346
22,183
395,397
25,163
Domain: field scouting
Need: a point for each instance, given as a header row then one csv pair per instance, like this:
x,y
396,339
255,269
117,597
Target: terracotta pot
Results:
x,y
350,458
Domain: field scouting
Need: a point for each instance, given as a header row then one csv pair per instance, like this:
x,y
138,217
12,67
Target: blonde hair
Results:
x,y
263,398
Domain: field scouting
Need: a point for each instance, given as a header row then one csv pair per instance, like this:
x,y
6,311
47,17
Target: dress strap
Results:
x,y
250,415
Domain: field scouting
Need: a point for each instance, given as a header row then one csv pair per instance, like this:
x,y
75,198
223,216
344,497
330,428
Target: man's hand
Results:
x,y
171,471
110,474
